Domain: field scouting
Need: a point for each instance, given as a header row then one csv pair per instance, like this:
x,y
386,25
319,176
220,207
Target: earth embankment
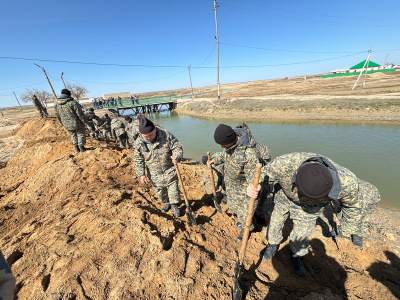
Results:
x,y
81,226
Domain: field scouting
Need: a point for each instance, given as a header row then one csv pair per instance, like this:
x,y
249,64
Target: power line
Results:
x,y
321,15
256,12
208,56
281,50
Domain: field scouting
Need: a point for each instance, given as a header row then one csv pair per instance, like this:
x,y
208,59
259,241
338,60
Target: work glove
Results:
x,y
357,241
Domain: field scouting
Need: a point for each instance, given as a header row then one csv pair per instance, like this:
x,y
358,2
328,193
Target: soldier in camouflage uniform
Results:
x,y
71,116
157,150
42,110
132,127
304,184
89,124
100,124
118,131
107,126
239,159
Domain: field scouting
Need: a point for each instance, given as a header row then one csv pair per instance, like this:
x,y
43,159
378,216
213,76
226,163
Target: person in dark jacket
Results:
x,y
71,116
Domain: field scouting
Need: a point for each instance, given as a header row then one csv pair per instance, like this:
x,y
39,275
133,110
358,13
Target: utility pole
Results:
x,y
365,64
48,80
384,64
191,82
62,74
20,107
216,27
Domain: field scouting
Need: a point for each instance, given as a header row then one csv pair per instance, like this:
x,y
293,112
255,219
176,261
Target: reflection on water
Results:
x,y
370,151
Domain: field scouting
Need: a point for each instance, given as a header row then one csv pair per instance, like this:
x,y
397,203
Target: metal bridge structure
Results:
x,y
142,105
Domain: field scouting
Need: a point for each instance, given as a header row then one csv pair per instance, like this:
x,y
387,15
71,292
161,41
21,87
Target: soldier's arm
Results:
x,y
175,146
250,166
218,158
57,114
79,112
139,161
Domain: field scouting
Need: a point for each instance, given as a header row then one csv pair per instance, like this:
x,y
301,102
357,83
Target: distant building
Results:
x,y
372,66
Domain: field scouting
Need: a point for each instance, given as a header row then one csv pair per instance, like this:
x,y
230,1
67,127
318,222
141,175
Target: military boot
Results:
x,y
166,208
82,148
175,210
297,264
224,200
77,148
269,251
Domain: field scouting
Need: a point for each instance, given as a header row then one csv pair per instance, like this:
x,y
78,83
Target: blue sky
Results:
x,y
171,35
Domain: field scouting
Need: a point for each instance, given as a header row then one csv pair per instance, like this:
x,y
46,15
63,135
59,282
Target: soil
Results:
x,y
300,98
81,226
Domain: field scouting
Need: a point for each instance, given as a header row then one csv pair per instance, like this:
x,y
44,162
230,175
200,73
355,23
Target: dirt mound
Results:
x,y
80,226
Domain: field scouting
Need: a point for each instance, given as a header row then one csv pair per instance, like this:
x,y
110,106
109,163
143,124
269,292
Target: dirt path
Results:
x,y
80,226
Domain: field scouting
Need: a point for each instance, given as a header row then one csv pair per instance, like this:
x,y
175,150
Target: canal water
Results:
x,y
370,151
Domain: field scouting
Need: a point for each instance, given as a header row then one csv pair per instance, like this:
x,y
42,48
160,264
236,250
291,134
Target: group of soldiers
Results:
x,y
297,185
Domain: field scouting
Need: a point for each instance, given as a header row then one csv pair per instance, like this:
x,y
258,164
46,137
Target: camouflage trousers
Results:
x,y
368,196
168,194
78,137
238,201
123,141
91,128
106,134
304,219
42,111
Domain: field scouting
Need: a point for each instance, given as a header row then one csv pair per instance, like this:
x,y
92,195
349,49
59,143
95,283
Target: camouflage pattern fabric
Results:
x,y
107,126
78,137
118,131
42,110
239,163
355,197
155,156
100,126
89,124
7,280
303,217
69,113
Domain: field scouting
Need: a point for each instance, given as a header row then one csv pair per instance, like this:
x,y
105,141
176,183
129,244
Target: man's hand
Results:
x,y
252,192
175,160
143,179
209,163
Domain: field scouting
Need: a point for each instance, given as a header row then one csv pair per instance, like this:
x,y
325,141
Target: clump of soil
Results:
x,y
81,226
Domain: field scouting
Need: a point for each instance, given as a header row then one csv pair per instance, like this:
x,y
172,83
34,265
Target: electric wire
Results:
x,y
208,55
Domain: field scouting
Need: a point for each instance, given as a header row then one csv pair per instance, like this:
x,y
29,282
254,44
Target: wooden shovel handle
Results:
x,y
183,188
212,175
249,216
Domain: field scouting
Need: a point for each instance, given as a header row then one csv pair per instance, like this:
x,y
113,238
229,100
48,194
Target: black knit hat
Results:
x,y
145,125
91,109
204,159
127,118
314,181
66,92
224,135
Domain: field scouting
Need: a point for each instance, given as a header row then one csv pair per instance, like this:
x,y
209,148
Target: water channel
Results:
x,y
370,151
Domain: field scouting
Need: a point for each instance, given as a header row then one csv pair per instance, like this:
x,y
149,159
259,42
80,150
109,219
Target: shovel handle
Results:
x,y
212,175
249,216
183,188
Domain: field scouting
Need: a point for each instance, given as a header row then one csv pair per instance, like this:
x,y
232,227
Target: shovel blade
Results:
x,y
190,217
216,204
237,291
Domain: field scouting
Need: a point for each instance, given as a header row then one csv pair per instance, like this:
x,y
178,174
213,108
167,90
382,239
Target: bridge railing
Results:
x,y
141,101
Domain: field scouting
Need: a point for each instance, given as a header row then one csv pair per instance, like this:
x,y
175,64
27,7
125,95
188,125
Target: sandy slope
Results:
x,y
80,226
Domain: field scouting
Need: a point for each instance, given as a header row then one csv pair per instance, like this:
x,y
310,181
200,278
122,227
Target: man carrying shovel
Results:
x,y
157,150
304,184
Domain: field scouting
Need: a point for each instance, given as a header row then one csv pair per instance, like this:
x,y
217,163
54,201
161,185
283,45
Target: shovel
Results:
x,y
337,222
237,291
189,213
216,204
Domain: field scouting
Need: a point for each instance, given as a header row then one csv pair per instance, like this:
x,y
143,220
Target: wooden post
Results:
x,y
62,74
217,38
191,86
20,107
354,86
48,80
365,75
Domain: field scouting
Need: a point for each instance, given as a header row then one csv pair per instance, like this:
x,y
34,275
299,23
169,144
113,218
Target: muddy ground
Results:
x,y
80,226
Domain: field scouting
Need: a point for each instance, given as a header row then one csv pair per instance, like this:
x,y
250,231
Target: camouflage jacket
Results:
x,y
98,122
344,192
36,102
117,127
239,161
156,157
88,116
69,113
